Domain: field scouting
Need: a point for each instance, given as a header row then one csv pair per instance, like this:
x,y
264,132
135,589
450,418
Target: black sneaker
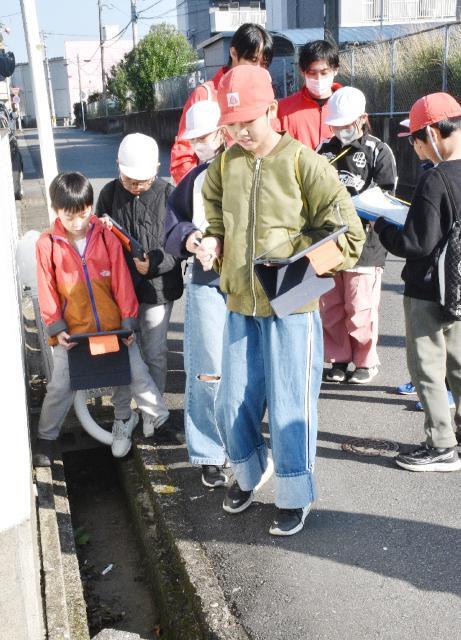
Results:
x,y
43,453
337,373
287,522
362,375
425,458
168,435
236,499
213,476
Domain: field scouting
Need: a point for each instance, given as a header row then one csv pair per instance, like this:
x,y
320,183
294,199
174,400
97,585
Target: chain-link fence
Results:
x,y
102,108
172,93
395,73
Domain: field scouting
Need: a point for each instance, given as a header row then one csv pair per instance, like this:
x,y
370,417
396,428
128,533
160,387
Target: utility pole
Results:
x,y
80,92
101,46
134,22
48,78
42,111
331,21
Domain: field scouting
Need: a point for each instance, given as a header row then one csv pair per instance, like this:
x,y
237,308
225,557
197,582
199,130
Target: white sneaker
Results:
x,y
266,475
121,433
150,423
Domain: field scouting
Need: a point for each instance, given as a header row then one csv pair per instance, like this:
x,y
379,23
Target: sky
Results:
x,y
78,20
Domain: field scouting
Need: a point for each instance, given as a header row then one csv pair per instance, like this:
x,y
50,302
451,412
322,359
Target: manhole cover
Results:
x,y
369,447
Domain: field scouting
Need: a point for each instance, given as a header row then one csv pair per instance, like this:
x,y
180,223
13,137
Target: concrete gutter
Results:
x,y
190,599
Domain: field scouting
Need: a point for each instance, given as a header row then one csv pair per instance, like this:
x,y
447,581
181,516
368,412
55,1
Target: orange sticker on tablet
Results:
x,y
325,257
103,344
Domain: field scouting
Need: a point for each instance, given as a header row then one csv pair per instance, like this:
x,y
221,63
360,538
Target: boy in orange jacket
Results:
x,y
84,286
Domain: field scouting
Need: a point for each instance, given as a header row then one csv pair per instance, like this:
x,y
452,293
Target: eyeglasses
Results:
x,y
136,184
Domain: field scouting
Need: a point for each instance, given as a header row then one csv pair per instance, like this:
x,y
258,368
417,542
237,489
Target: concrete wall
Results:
x,y
20,598
292,14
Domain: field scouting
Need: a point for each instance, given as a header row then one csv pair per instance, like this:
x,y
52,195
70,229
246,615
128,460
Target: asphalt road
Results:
x,y
380,555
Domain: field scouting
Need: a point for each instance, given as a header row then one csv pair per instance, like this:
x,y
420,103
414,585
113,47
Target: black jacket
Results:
x,y
426,229
143,217
369,162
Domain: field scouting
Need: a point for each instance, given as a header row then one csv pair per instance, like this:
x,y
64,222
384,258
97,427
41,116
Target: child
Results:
x,y
350,310
205,308
432,341
254,202
303,113
137,201
84,286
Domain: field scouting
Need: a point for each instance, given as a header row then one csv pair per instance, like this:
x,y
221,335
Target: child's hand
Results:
x,y
129,340
142,265
106,221
208,251
193,241
63,340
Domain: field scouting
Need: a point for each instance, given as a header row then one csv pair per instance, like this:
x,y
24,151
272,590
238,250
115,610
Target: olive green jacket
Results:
x,y
292,197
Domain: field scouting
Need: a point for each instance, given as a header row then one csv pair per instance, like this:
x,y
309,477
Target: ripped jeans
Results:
x,y
205,315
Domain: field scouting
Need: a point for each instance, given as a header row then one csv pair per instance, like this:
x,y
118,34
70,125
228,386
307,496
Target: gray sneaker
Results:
x,y
121,432
362,375
337,373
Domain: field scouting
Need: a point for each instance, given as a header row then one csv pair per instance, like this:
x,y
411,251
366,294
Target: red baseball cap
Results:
x,y
432,109
244,94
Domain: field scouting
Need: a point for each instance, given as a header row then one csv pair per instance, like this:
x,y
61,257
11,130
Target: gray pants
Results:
x,y
152,338
433,352
59,396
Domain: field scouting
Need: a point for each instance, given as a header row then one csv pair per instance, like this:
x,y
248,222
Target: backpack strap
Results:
x,y
298,176
450,195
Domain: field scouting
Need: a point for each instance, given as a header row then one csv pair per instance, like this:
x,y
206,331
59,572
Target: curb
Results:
x,y
191,601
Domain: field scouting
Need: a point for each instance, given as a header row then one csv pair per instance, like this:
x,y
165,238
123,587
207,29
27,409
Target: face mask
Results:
x,y
319,87
347,135
205,150
433,145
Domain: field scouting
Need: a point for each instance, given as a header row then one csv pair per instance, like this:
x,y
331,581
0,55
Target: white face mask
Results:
x,y
430,135
347,135
320,88
206,150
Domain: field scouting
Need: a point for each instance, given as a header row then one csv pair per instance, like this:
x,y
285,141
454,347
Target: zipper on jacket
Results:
x,y
256,176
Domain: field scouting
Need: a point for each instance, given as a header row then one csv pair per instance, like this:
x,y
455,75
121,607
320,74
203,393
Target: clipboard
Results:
x,y
105,363
292,282
374,203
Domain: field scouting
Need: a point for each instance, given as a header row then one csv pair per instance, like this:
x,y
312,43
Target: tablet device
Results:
x,y
81,337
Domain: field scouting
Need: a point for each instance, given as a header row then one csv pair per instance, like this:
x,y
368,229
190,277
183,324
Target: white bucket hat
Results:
x,y
345,106
201,118
404,123
138,156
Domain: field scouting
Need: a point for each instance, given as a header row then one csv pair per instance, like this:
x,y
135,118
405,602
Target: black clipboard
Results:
x,y
292,282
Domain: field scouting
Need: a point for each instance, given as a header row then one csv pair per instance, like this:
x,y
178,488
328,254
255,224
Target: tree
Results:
x,y
163,53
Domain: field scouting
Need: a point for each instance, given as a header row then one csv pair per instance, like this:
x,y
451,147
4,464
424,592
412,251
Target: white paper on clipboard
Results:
x,y
374,203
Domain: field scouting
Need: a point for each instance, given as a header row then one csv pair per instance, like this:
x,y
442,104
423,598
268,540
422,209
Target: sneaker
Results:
x,y
166,434
121,432
407,389
213,476
337,373
43,453
287,522
451,402
266,475
425,458
150,423
236,499
363,375
458,436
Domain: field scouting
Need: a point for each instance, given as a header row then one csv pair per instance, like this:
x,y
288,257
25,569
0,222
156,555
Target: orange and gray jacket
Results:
x,y
84,294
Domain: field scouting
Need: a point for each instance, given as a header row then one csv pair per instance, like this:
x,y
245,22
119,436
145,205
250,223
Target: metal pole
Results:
x,y
445,58
80,93
392,92
42,111
48,78
101,46
134,23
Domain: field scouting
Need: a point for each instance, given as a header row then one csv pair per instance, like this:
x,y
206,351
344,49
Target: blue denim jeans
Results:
x,y
273,362
205,314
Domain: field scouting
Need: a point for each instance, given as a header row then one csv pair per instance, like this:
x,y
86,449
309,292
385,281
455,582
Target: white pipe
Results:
x,y
87,422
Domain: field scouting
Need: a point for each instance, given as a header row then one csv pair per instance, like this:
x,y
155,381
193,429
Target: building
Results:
x,y
292,14
64,72
200,19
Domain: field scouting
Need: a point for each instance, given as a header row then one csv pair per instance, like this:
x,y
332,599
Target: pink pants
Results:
x,y
350,318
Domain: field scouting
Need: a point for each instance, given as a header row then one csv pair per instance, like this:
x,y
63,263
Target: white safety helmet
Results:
x,y
345,106
201,118
138,156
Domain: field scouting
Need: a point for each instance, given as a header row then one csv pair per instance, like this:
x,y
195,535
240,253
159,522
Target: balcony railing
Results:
x,y
232,19
407,10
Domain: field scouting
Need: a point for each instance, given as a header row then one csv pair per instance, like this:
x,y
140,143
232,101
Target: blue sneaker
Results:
x,y
406,389
451,402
